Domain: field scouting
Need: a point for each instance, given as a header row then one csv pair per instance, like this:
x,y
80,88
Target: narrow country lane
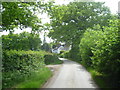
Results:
x,y
71,75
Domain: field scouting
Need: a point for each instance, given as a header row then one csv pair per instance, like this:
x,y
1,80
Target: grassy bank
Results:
x,y
99,78
36,80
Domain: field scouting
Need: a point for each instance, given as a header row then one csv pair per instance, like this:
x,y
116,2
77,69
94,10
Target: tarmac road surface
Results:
x,y
71,75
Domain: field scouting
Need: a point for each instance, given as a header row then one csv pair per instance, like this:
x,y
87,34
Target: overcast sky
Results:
x,y
112,4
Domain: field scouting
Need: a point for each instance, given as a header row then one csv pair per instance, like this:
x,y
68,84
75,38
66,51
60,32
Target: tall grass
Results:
x,y
36,80
100,79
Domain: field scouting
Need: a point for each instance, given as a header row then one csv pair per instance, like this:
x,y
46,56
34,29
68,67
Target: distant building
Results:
x,y
61,48
55,51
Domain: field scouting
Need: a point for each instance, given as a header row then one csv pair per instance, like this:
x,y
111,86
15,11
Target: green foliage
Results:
x,y
0,60
74,53
70,21
62,51
23,68
46,47
36,80
22,60
22,41
64,54
100,79
88,41
61,54
20,14
52,59
19,64
100,49
106,53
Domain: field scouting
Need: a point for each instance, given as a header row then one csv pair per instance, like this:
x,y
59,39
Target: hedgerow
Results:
x,y
99,48
20,65
23,41
23,63
22,60
52,59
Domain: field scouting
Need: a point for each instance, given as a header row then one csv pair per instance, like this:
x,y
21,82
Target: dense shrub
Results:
x,y
61,54
46,47
22,41
21,60
62,51
52,59
106,57
19,64
74,53
88,41
100,49
64,54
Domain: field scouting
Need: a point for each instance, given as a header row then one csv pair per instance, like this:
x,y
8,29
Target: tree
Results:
x,y
22,15
46,47
70,21
22,41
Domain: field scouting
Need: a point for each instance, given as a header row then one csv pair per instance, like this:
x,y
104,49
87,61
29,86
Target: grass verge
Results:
x,y
99,78
36,80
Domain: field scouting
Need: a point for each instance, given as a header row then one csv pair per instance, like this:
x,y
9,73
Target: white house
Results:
x,y
60,48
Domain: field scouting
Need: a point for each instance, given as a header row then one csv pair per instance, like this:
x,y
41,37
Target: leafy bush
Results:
x,y
52,59
46,47
100,49
22,41
19,64
106,57
61,54
88,41
62,51
74,53
64,54
22,60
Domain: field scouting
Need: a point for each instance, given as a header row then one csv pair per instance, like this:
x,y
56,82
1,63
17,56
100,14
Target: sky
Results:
x,y
112,4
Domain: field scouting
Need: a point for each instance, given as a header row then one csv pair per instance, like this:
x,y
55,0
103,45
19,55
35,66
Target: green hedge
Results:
x,y
17,65
23,41
100,49
52,59
22,60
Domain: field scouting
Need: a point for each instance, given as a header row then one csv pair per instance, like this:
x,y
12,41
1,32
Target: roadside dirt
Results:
x,y
55,69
